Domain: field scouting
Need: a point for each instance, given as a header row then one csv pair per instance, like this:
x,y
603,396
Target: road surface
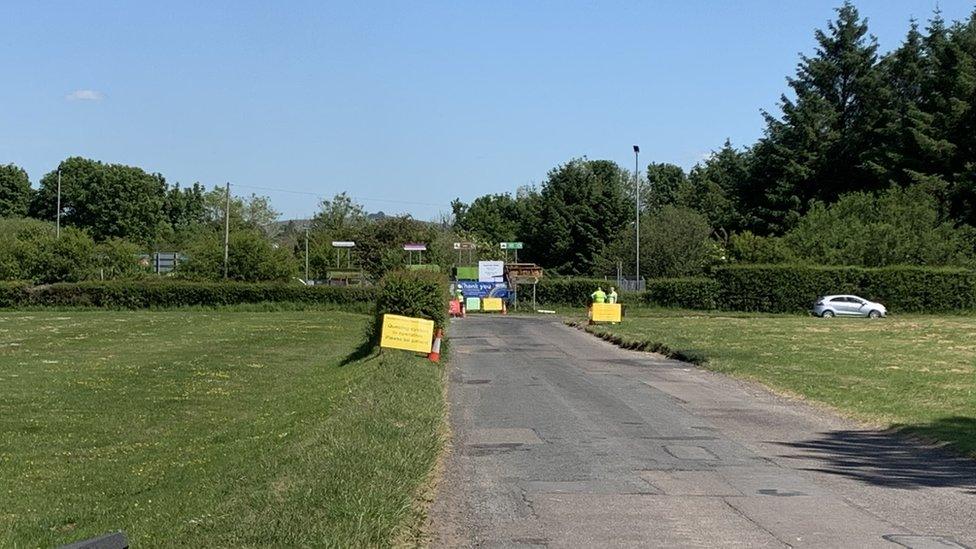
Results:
x,y
563,440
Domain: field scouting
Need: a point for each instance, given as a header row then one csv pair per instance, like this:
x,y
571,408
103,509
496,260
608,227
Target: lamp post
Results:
x,y
58,223
637,225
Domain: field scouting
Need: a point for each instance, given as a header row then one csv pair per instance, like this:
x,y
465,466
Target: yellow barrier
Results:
x,y
409,334
491,304
605,312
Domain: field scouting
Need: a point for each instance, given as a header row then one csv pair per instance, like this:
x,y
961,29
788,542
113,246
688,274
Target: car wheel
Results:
x,y
874,314
827,314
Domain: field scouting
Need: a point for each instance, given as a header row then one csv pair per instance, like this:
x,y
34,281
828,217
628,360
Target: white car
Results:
x,y
847,305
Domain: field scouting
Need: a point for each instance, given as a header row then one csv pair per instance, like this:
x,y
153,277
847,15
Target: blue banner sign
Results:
x,y
483,289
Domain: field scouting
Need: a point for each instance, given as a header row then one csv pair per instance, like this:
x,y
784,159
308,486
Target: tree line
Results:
x,y
113,215
871,162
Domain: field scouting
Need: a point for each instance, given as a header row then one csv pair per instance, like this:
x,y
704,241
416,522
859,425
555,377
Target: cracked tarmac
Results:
x,y
560,439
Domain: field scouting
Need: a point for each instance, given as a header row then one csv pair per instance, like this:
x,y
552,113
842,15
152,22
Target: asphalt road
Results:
x,y
560,439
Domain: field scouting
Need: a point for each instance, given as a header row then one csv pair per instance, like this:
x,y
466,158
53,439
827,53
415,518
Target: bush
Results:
x,y
419,294
675,242
30,250
901,226
794,288
146,294
689,293
251,258
13,294
746,247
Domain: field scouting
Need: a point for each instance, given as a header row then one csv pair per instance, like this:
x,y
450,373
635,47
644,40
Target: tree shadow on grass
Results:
x,y
892,458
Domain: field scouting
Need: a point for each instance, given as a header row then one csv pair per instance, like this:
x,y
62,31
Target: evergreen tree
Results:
x,y
715,188
821,147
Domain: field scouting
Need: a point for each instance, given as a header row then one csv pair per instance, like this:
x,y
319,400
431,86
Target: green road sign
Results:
x,y
511,245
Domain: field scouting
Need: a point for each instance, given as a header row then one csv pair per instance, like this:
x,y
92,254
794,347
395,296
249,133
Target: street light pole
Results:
x,y
637,193
226,229
58,223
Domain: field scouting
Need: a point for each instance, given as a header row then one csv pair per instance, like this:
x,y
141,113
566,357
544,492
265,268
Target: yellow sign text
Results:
x,y
409,334
606,312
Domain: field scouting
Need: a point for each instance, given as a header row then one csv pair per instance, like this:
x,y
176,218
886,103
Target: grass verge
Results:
x,y
209,428
914,373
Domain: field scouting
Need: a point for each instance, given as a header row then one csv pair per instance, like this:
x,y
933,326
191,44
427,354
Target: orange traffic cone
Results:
x,y
435,349
504,308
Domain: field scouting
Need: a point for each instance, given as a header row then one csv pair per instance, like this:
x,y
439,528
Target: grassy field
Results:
x,y
209,428
913,372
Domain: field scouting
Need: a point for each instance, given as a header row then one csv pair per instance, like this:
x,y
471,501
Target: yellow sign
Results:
x,y
491,304
409,334
606,312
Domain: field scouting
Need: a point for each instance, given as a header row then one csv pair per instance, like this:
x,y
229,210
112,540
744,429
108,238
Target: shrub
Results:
x,y
251,258
675,242
168,293
419,294
118,259
30,250
746,247
13,294
690,293
900,226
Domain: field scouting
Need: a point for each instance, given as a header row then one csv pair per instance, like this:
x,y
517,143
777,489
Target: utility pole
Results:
x,y
306,254
637,192
227,229
58,223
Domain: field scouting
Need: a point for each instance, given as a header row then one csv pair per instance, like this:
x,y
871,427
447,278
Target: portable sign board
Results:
x,y
511,245
455,308
606,312
343,244
491,271
491,304
414,247
472,304
407,333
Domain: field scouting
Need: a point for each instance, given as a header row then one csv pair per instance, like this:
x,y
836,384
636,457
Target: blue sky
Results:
x,y
403,105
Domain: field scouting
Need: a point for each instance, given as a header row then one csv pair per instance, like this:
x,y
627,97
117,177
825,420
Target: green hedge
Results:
x,y
146,294
794,288
563,291
688,293
419,294
13,294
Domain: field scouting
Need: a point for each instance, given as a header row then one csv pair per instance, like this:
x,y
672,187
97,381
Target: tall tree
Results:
x,y
107,200
822,145
185,207
715,188
663,184
15,191
251,211
339,216
491,218
581,208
